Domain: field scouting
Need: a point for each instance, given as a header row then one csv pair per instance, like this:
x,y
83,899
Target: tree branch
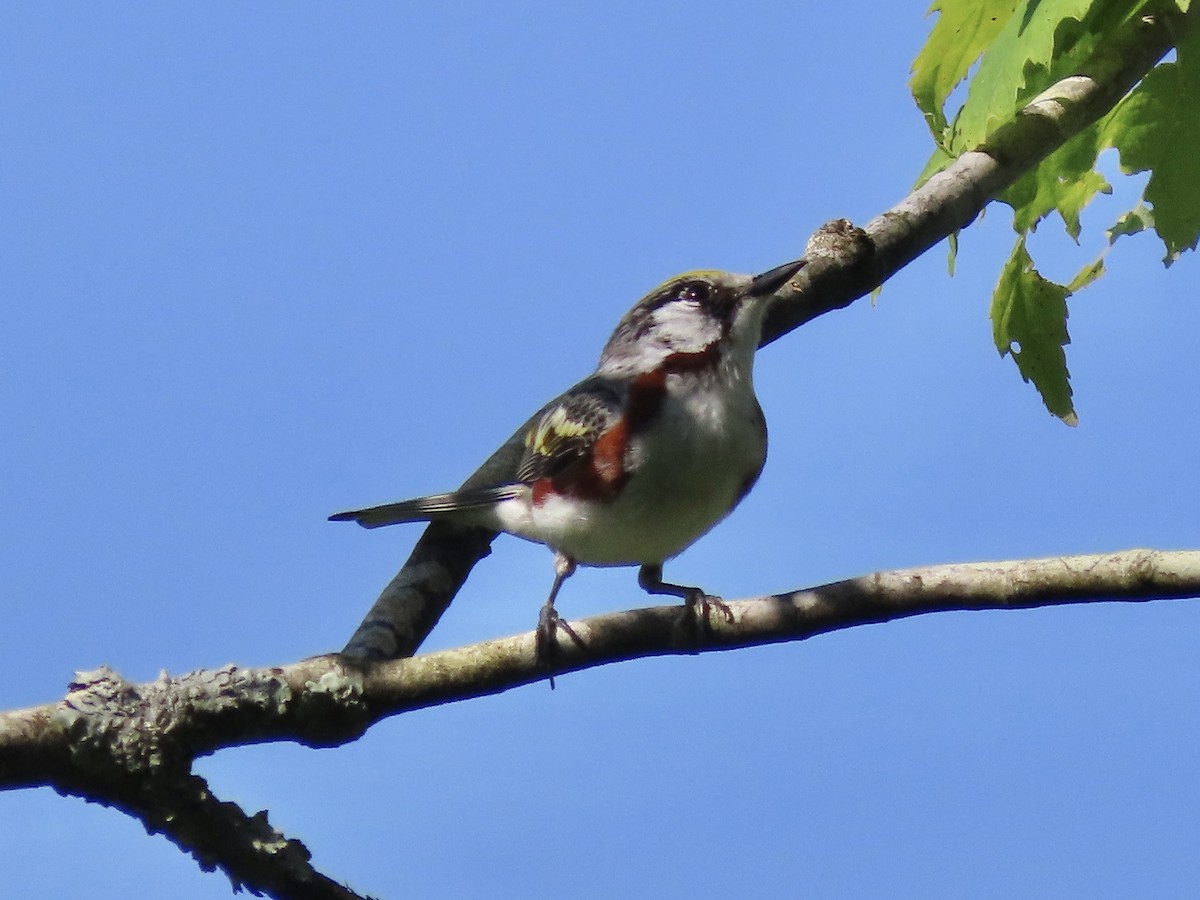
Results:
x,y
132,746
253,854
107,725
493,666
845,263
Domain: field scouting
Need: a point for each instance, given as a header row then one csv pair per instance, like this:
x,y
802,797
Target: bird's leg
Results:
x,y
650,580
546,643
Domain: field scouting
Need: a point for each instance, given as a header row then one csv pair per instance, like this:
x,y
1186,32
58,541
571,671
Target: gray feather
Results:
x,y
425,509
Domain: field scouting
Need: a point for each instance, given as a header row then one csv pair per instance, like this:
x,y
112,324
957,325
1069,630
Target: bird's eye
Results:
x,y
695,292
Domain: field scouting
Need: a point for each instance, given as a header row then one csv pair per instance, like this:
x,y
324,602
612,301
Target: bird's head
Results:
x,y
697,314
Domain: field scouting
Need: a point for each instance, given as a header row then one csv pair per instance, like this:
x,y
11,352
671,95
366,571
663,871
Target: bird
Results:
x,y
640,459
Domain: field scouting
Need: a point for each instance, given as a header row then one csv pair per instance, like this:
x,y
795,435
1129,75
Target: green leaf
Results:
x,y
1029,322
1021,61
1086,276
1040,42
963,30
1157,128
1134,221
1065,181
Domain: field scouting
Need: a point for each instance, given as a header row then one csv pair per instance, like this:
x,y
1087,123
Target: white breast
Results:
x,y
688,468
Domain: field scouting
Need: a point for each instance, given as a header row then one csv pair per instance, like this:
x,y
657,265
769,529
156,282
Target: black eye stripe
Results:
x,y
696,291
718,300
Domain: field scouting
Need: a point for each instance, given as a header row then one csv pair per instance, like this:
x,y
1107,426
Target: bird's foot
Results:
x,y
546,637
708,603
546,643
697,612
546,649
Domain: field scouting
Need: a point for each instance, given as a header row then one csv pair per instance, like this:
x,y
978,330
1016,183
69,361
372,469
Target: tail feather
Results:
x,y
426,509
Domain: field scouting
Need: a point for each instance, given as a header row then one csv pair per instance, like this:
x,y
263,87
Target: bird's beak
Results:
x,y
772,280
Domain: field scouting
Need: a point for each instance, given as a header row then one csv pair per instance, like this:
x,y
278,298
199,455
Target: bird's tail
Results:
x,y
424,509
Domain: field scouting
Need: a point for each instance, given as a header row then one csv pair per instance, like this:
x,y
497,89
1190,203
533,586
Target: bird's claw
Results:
x,y
545,642
708,604
546,648
546,636
697,612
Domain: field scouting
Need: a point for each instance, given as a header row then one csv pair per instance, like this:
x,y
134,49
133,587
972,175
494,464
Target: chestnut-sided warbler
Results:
x,y
637,461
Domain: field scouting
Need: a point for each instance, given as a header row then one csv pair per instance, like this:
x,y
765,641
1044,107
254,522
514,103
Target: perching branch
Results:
x,y
845,263
132,746
494,666
106,727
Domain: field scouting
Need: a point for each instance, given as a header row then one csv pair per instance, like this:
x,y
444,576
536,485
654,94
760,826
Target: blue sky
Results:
x,y
262,263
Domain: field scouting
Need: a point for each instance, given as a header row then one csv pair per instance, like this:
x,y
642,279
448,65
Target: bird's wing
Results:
x,y
563,435
567,431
